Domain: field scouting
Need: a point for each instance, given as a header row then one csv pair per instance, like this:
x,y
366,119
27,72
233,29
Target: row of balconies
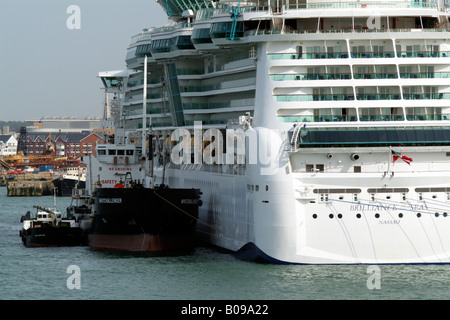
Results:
x,y
360,55
361,96
365,75
364,114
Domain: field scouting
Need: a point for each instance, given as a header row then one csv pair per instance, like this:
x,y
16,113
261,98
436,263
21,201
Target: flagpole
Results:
x,y
389,160
144,127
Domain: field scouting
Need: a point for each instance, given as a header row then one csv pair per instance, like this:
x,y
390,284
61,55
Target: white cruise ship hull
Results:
x,y
286,226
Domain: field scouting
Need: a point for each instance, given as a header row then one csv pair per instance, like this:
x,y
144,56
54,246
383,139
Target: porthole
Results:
x,y
377,215
418,215
358,215
444,214
436,214
331,216
314,216
400,215
340,216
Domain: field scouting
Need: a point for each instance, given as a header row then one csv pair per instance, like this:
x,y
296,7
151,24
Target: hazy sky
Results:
x,y
47,69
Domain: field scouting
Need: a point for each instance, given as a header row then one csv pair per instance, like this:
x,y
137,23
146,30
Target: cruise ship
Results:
x,y
317,131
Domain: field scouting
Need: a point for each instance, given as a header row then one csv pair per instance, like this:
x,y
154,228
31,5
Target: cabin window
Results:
x,y
112,152
101,152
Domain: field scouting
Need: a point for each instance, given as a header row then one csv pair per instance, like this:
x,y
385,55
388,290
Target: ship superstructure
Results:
x,y
318,131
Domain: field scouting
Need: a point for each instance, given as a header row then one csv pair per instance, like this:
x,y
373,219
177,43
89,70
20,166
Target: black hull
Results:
x,y
52,237
64,187
144,219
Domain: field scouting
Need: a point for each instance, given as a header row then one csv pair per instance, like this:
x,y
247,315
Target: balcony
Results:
x,y
423,54
316,55
306,76
314,97
378,96
426,95
424,75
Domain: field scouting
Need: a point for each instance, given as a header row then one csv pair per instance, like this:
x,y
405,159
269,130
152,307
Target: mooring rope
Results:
x,y
185,212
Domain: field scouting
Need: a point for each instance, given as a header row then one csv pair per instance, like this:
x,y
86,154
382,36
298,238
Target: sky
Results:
x,y
50,57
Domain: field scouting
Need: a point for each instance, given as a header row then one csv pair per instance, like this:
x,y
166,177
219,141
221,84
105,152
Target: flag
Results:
x,y
396,155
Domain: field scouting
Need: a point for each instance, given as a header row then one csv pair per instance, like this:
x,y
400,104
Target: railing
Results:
x,y
183,72
204,14
376,75
255,32
206,122
378,96
353,4
378,117
147,34
226,9
369,54
374,117
427,116
138,112
302,118
138,37
195,106
170,28
426,95
424,75
240,83
249,102
359,55
318,55
314,97
305,76
360,96
149,96
423,54
364,75
135,83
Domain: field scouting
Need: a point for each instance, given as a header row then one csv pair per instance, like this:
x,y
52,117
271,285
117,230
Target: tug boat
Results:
x,y
49,229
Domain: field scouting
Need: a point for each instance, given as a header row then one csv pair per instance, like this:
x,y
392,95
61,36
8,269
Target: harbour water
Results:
x,y
205,274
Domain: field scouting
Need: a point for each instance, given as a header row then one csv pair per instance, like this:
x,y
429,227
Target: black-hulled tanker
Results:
x,y
159,220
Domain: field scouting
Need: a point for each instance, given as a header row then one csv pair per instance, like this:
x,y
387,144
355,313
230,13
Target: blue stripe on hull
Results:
x,y
250,252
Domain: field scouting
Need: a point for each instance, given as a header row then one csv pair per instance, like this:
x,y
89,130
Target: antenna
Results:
x,y
145,156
